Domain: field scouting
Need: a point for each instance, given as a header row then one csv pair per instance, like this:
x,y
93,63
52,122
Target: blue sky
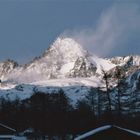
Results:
x,y
106,27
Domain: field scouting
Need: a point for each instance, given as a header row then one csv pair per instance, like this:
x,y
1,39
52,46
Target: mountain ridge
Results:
x,y
61,60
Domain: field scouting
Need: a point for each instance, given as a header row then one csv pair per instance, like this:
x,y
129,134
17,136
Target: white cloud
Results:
x,y
112,29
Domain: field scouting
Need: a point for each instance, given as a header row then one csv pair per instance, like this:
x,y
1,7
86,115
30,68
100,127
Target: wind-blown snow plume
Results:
x,y
113,29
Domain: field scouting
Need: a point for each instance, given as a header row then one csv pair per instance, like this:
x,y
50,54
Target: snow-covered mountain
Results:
x,y
67,65
65,58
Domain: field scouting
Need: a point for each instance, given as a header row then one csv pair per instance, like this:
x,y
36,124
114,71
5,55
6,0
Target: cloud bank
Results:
x,y
114,28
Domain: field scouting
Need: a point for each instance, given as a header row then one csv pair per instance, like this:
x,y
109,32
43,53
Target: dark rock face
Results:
x,y
7,66
83,68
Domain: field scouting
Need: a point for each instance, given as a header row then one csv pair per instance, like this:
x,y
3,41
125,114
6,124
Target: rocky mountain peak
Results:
x,y
6,67
67,48
83,68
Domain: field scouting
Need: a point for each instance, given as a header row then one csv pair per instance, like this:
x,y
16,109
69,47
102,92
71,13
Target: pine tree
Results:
x,y
119,75
106,77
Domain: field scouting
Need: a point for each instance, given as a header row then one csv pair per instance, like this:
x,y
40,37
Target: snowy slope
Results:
x,y
102,64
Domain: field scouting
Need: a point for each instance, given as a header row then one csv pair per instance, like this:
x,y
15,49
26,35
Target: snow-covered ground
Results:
x,y
75,88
